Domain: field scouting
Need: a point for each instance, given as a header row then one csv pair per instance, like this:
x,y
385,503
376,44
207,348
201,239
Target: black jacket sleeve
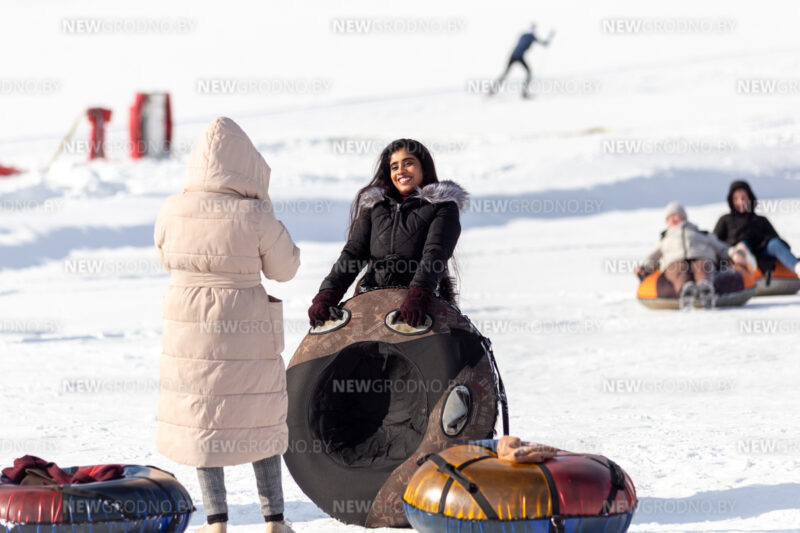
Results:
x,y
443,233
757,233
767,232
354,256
721,230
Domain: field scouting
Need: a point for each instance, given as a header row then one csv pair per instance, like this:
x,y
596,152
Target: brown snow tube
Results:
x,y
369,398
780,281
733,287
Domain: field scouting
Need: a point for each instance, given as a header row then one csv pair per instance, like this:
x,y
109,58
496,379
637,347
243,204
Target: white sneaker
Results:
x,y
688,294
705,294
797,269
279,527
217,527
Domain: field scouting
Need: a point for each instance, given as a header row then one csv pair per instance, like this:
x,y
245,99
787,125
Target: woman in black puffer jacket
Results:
x,y
404,227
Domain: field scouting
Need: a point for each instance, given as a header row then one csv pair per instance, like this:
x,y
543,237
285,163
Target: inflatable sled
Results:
x,y
369,397
780,281
145,500
467,489
733,287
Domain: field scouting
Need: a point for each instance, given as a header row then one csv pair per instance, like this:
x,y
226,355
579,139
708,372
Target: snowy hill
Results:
x,y
567,194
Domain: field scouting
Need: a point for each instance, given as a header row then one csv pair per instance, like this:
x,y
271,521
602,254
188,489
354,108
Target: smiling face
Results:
x,y
674,220
405,171
741,201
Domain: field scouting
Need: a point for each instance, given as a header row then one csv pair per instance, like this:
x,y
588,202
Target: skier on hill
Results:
x,y
525,41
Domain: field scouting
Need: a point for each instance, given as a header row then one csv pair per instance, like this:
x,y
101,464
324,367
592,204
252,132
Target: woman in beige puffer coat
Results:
x,y
222,397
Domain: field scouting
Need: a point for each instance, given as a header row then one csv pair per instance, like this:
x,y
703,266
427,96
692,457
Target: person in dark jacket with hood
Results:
x,y
404,226
525,41
744,228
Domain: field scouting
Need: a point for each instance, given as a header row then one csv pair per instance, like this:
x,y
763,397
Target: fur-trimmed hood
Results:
x,y
435,193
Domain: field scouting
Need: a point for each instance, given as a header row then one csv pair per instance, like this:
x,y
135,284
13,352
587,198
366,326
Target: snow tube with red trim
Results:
x,y
777,282
467,489
144,500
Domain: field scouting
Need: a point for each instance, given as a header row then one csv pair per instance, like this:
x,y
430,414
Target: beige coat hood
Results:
x,y
224,160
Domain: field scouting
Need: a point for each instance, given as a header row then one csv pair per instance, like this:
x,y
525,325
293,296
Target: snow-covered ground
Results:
x,y
699,407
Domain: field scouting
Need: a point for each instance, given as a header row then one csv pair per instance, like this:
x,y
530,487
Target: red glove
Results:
x,y
415,305
320,310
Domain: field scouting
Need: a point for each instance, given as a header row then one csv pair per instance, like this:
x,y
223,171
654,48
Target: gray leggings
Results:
x,y
270,492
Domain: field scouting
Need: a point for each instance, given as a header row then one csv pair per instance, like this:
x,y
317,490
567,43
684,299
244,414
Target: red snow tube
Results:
x,y
145,499
467,489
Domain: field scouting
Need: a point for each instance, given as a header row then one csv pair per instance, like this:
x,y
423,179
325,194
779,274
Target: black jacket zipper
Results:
x,y
395,217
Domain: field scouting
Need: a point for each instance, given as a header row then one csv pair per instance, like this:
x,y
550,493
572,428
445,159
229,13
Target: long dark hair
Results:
x,y
382,178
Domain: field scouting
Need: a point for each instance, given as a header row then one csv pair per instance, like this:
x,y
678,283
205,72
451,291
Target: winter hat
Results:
x,y
674,208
